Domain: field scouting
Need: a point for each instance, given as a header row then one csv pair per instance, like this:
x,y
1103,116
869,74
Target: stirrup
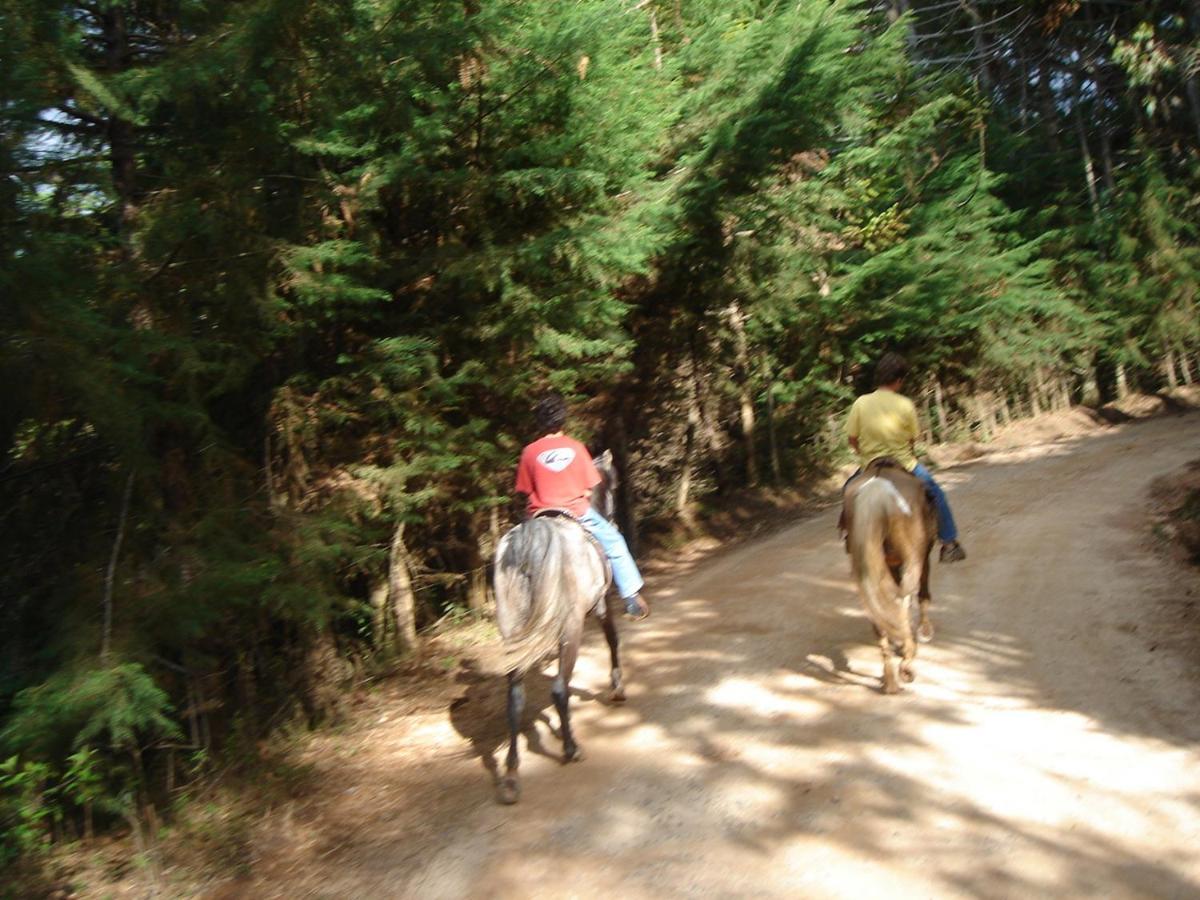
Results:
x,y
952,552
636,608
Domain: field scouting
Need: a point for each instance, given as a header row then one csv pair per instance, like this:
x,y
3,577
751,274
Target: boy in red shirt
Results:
x,y
557,472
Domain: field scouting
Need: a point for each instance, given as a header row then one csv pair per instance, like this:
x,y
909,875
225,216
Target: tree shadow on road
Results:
x,y
479,713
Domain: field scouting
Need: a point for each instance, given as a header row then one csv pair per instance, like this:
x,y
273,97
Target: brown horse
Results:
x,y
891,526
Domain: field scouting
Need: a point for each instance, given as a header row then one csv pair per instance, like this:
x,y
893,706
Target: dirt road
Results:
x,y
1049,747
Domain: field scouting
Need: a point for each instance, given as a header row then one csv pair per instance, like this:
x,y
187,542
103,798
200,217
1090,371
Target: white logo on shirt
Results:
x,y
557,459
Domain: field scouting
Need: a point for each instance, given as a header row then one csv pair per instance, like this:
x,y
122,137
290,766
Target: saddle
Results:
x,y
875,466
554,512
873,469
870,470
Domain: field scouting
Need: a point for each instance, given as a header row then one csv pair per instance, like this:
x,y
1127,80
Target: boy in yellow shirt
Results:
x,y
884,423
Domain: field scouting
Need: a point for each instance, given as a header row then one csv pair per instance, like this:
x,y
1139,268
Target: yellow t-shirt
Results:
x,y
885,424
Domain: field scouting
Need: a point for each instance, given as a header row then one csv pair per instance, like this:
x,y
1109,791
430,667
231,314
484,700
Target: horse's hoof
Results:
x,y
617,695
925,632
891,688
908,674
509,790
574,755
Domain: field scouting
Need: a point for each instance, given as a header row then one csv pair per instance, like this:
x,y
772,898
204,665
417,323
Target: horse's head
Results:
x,y
604,495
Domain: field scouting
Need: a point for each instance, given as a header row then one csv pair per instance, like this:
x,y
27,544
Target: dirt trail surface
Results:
x,y
1049,747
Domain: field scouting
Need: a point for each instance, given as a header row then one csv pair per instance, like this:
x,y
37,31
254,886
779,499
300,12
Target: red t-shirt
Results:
x,y
557,472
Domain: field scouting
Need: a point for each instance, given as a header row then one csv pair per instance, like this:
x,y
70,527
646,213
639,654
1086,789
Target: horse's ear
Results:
x,y
605,458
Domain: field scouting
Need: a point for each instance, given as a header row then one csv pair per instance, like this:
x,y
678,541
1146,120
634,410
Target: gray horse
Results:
x,y
550,573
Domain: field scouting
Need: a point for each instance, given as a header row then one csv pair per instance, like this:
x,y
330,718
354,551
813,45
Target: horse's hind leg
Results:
x,y
610,634
925,626
560,690
910,583
510,784
891,666
891,663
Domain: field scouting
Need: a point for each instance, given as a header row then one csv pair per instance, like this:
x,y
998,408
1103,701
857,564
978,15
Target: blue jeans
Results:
x,y
625,571
946,528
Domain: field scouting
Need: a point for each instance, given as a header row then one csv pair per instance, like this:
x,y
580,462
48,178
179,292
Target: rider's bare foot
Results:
x,y
636,608
952,551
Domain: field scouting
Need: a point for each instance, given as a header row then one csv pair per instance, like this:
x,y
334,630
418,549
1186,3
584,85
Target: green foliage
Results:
x,y
119,707
36,798
299,268
23,809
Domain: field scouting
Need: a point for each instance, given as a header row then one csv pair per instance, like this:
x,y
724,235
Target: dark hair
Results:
x,y
891,367
550,412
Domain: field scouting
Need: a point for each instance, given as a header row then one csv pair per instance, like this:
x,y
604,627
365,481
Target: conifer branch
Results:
x,y
110,575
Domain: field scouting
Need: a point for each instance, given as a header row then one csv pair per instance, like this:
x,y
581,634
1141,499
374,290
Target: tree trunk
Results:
x,y
400,593
379,605
482,548
1191,84
940,405
1106,161
978,38
1185,367
273,501
1089,168
1064,391
741,376
247,691
772,438
626,506
111,573
1049,104
197,713
683,490
114,27
1169,367
1091,385
1122,382
656,40
1193,95
146,841
896,9
707,424
477,584
747,413
193,713
1023,98
983,415
477,590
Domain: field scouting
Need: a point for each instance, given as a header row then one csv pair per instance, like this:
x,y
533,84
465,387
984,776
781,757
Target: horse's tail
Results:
x,y
874,505
537,588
